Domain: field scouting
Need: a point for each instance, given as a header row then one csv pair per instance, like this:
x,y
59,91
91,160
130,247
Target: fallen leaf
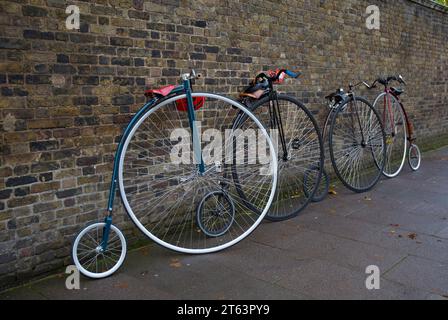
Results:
x,y
412,236
175,263
332,192
121,285
367,198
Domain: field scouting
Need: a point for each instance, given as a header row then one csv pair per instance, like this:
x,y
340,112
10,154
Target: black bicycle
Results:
x,y
297,139
356,139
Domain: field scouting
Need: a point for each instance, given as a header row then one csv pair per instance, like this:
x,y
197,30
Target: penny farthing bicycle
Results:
x,y
356,140
295,131
400,139
173,168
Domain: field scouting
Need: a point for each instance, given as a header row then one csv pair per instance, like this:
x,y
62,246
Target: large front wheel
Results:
x,y
394,123
357,144
299,146
162,182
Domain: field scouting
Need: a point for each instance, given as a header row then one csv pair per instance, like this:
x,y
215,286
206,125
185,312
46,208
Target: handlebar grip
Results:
x,y
291,74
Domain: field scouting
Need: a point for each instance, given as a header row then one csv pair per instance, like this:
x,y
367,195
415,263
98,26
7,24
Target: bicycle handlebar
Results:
x,y
385,81
371,86
278,74
191,76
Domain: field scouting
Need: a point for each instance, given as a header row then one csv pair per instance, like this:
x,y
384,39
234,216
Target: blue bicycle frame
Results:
x,y
185,88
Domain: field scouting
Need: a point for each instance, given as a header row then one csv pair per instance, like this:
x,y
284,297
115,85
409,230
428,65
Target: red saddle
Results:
x,y
181,104
163,91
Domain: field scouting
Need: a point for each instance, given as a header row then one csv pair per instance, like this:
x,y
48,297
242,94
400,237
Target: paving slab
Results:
x,y
401,226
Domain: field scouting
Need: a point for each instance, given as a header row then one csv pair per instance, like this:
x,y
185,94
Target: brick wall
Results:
x,y
65,95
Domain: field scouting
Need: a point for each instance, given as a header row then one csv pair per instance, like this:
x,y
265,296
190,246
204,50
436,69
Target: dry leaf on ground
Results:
x,y
175,263
412,236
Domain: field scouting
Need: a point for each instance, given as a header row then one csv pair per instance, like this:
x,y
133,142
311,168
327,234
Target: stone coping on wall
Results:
x,y
431,4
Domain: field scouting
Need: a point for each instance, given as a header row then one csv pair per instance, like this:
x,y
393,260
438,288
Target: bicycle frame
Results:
x,y
185,88
276,121
408,122
334,108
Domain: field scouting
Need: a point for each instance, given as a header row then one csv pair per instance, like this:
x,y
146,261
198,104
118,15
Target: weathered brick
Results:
x,y
16,78
33,11
5,194
87,161
44,187
21,192
63,69
49,123
123,99
22,201
68,193
47,176
44,166
116,41
44,145
19,181
133,14
86,80
85,100
198,56
8,43
42,207
122,61
82,38
38,79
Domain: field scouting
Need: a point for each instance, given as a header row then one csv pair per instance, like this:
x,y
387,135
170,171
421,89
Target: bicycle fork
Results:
x,y
197,149
276,122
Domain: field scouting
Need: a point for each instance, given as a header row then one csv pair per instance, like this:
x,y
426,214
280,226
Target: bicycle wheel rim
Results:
x,y
212,223
396,134
115,234
357,169
222,243
304,149
415,157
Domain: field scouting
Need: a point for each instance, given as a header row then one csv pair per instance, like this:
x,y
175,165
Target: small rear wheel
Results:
x,y
92,258
215,214
415,157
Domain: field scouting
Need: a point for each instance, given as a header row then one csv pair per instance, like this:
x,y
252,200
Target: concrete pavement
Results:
x,y
401,227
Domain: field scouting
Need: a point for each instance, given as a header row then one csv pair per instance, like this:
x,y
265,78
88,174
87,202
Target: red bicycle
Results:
x,y
398,128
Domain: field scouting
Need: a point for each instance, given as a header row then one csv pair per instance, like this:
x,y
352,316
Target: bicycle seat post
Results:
x,y
196,135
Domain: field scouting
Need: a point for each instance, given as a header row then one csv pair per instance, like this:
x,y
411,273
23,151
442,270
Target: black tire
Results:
x,y
292,190
375,164
414,157
324,185
223,211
